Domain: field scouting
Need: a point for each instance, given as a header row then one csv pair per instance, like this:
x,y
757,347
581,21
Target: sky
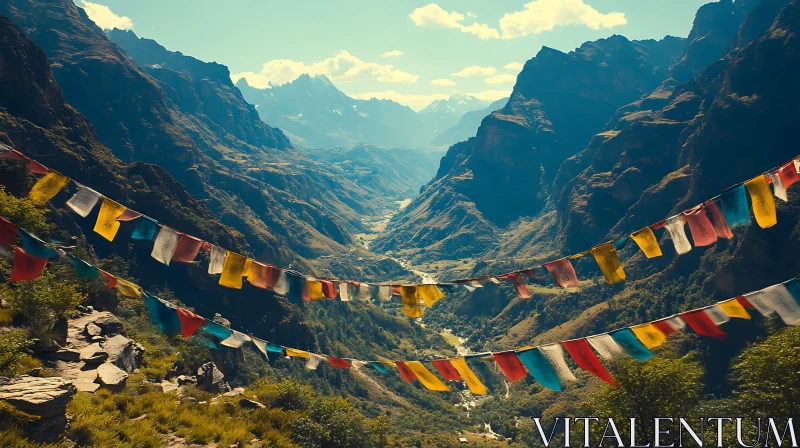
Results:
x,y
409,51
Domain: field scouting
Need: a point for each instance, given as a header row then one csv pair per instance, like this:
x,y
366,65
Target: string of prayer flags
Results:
x,y
164,246
145,229
8,232
733,203
406,374
47,187
700,226
647,242
33,166
84,201
631,344
605,346
232,271
649,335
670,325
510,365
540,368
26,266
778,299
425,377
446,369
701,323
187,249
473,383
606,257
763,203
107,224
675,227
586,359
563,273
555,356
717,218
190,322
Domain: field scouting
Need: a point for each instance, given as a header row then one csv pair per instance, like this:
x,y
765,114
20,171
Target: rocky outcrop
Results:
x,y
44,398
210,379
123,353
111,377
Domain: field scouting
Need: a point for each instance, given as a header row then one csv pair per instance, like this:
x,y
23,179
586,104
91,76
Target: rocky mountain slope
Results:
x,y
467,126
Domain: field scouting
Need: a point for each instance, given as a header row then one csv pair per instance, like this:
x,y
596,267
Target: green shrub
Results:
x,y
13,352
23,213
40,302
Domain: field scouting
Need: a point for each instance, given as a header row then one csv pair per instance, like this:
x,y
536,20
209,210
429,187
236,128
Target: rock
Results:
x,y
108,323
123,353
168,386
44,397
184,379
45,346
234,392
93,354
210,379
65,355
111,377
86,386
221,320
92,329
90,308
82,309
189,400
59,331
250,404
96,339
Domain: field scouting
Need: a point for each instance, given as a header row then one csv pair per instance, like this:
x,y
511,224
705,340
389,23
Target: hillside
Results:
x,y
467,126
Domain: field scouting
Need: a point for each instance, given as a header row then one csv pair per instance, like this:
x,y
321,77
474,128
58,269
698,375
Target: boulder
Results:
x,y
95,339
43,397
65,355
108,323
250,404
168,386
111,377
185,379
234,392
210,379
92,329
123,353
45,346
93,354
59,331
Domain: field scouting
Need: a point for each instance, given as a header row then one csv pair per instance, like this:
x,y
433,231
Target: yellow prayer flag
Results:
x,y
763,202
248,268
47,187
408,295
297,353
474,384
107,224
232,271
429,293
649,335
646,240
128,289
580,255
425,376
608,261
315,290
735,309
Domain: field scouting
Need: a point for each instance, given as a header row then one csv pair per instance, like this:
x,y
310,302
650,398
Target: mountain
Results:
x,y
467,126
443,114
316,114
504,173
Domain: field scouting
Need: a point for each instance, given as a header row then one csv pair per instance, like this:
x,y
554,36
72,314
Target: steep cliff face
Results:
x,y
559,102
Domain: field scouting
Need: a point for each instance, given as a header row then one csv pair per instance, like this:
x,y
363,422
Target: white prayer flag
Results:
x,y
83,201
313,361
555,356
216,261
717,315
236,340
778,187
776,299
605,346
676,228
165,244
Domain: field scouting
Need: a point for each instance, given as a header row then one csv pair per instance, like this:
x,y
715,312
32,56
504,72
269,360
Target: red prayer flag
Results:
x,y
8,232
702,324
658,225
395,290
664,327
129,215
26,267
273,275
583,355
190,322
111,281
703,231
33,166
329,289
563,273
519,284
339,363
742,301
788,174
187,249
510,365
405,373
446,369
718,220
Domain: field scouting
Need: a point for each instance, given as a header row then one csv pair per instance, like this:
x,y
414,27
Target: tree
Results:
x,y
40,302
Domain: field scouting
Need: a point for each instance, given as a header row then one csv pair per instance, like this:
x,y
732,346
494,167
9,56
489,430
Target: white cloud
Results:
x,y
342,68
418,102
475,70
472,14
516,66
104,18
443,82
501,79
433,16
393,53
544,15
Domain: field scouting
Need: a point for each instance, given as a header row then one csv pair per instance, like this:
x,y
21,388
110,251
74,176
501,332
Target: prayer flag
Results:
x,y
216,262
718,220
675,227
33,166
313,361
339,363
313,290
329,289
165,245
703,232
35,247
519,285
257,275
127,288
282,284
702,324
670,325
384,293
82,268
111,280
129,215
408,295
510,365
378,367
347,291
26,266
430,294
628,341
232,271
555,356
716,314
107,224
8,232
563,273
744,302
187,249
540,368
777,186
734,207
735,309
47,187
406,374
446,369
295,353
779,299
267,347
473,383
647,242
619,244
145,229
763,204
605,346
585,358
235,340
606,257
83,201
649,335
218,331
190,322
162,315
425,376
788,174
365,292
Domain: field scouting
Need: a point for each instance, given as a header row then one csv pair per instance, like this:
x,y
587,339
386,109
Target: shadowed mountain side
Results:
x,y
468,125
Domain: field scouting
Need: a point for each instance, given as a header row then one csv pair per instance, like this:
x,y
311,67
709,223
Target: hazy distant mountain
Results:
x,y
442,114
467,126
